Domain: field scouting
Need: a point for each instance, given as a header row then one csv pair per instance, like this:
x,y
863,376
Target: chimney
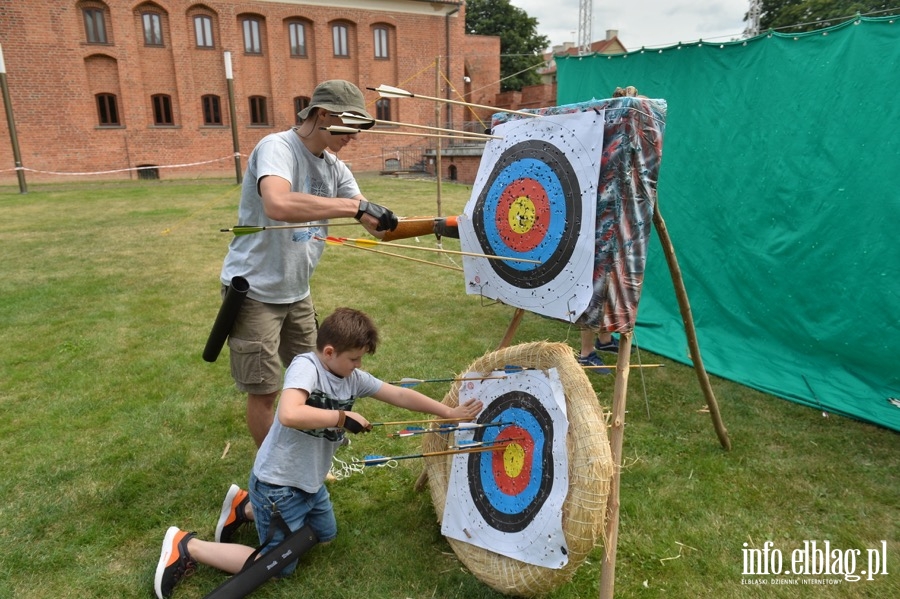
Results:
x,y
611,33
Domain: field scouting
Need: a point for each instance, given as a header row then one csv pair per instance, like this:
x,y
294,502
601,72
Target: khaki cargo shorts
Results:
x,y
264,340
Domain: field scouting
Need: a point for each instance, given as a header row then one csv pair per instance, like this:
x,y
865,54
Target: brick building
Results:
x,y
105,86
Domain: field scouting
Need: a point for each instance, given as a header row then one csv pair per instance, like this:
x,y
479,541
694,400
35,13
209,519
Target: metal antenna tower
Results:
x,y
753,14
585,18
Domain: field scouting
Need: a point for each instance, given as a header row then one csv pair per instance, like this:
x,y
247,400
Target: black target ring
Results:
x,y
548,166
512,511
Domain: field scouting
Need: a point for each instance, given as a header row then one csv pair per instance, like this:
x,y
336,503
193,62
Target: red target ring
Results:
x,y
512,465
523,214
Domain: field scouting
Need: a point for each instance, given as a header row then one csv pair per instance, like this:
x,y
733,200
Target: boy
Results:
x,y
315,408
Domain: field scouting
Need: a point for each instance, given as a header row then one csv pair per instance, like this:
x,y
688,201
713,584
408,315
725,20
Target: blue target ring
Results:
x,y
505,511
540,162
529,168
497,497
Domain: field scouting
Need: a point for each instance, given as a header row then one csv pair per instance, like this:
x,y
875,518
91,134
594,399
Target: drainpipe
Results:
x,y
447,66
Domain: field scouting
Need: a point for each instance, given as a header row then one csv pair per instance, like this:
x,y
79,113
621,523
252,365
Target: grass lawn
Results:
x,y
113,428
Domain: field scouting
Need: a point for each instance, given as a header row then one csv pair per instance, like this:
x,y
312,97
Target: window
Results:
x,y
162,110
251,37
152,29
339,33
383,109
107,111
147,171
381,43
300,102
212,111
297,33
258,114
203,31
94,26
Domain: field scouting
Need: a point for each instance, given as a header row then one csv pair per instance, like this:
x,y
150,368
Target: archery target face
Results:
x,y
535,199
510,501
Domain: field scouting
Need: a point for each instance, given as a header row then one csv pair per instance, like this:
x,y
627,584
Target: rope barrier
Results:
x,y
120,170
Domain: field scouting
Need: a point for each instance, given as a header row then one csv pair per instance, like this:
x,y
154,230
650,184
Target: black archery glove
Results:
x,y
387,220
351,424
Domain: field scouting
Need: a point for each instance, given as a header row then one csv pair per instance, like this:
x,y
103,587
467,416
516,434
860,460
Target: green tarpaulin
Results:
x,y
780,187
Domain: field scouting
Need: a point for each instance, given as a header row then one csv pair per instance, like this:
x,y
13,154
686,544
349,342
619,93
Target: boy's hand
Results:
x,y
353,422
468,410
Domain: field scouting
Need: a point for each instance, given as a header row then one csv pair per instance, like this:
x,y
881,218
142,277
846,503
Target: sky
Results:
x,y
648,23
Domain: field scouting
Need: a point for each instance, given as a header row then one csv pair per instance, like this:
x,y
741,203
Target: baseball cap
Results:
x,y
338,96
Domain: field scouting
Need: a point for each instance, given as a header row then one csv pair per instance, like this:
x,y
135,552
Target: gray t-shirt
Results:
x,y
279,263
302,459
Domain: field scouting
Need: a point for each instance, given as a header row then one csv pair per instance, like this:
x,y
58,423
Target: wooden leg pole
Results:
x,y
616,436
511,329
688,320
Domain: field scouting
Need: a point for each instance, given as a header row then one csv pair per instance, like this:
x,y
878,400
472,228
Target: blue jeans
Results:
x,y
297,507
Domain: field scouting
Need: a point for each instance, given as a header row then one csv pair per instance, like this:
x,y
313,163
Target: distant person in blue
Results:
x,y
292,177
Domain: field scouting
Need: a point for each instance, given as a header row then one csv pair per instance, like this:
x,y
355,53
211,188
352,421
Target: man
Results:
x,y
292,177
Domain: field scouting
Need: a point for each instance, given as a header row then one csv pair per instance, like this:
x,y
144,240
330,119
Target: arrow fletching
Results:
x,y
354,119
361,242
341,130
238,231
387,91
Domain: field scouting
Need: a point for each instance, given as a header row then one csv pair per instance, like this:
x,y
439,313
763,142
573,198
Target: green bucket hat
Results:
x,y
338,96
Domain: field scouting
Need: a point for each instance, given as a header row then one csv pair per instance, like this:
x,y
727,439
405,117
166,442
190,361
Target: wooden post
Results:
x,y
688,320
229,79
511,329
616,436
11,122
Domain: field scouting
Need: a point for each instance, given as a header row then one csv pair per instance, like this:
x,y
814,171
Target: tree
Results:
x,y
792,16
521,48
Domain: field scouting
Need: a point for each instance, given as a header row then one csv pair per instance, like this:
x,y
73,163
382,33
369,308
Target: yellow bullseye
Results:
x,y
522,215
513,459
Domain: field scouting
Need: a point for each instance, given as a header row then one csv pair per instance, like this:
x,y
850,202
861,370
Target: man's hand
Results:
x,y
387,220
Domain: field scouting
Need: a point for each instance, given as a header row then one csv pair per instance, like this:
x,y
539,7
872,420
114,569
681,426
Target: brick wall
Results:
x,y
54,75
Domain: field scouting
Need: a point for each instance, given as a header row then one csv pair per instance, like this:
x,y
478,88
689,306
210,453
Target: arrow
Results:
x,y
410,258
398,422
387,91
239,230
354,119
408,382
374,460
372,242
446,428
613,366
510,369
339,130
249,229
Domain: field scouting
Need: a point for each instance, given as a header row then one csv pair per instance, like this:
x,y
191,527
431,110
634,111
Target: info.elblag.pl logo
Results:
x,y
814,563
